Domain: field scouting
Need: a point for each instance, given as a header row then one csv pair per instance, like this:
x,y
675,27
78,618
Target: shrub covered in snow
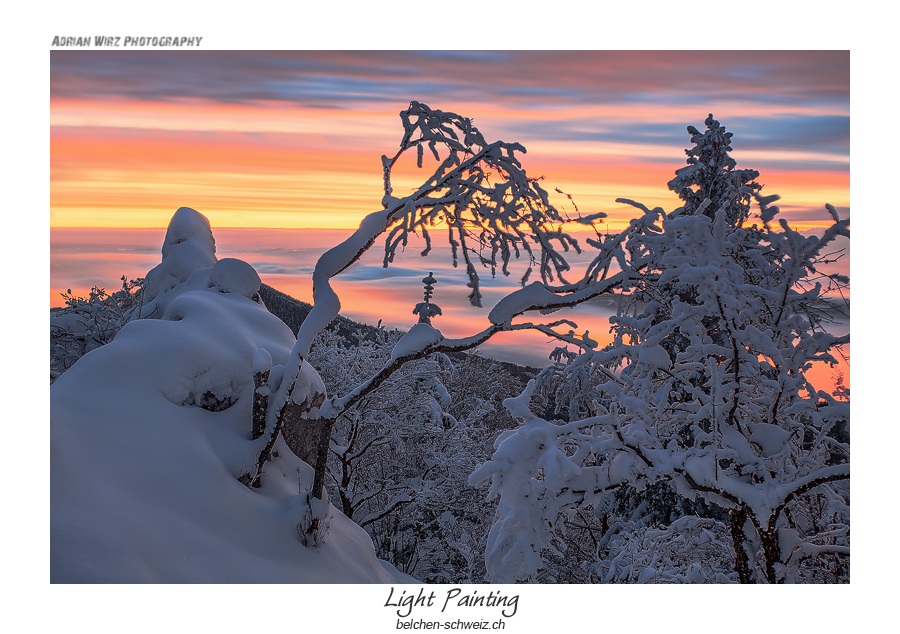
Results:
x,y
399,461
84,324
689,550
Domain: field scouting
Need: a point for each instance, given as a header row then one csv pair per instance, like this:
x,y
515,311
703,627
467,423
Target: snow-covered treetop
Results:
x,y
188,225
426,309
189,263
705,383
711,175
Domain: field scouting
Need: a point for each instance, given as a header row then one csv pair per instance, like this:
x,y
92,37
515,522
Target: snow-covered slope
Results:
x,y
150,432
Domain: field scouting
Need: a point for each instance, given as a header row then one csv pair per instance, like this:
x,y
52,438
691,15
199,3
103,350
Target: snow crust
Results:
x,y
149,433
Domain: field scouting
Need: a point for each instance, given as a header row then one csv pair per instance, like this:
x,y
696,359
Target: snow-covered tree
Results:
x,y
710,175
493,212
400,462
704,386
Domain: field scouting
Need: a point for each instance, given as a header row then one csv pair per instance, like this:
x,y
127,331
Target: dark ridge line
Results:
x,y
293,311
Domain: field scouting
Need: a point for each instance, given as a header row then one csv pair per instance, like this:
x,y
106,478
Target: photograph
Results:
x,y
370,317
448,317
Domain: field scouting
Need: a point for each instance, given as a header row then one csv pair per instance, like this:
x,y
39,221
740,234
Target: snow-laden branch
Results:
x,y
423,340
479,192
536,296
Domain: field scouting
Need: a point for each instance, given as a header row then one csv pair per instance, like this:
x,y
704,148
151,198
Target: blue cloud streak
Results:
x,y
811,88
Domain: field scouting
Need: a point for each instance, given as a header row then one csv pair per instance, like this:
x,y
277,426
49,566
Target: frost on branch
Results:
x,y
480,195
690,550
704,387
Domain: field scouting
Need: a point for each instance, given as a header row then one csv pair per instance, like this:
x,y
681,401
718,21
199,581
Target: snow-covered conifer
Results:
x,y
711,175
704,386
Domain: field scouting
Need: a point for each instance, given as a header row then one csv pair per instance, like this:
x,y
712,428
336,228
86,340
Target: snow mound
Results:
x,y
189,245
234,276
149,433
207,342
191,229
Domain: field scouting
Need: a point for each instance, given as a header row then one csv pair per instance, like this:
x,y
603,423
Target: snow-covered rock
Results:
x,y
149,433
234,276
189,246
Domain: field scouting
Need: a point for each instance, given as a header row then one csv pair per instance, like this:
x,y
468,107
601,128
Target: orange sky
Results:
x,y
293,140
136,177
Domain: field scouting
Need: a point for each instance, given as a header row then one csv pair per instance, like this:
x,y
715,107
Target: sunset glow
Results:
x,y
293,140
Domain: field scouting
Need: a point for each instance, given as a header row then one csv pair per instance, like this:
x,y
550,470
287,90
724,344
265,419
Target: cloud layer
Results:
x,y
293,138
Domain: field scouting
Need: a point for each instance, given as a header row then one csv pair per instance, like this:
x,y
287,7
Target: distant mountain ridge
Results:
x,y
293,312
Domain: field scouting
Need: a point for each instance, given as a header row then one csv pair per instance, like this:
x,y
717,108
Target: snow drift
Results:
x,y
150,433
